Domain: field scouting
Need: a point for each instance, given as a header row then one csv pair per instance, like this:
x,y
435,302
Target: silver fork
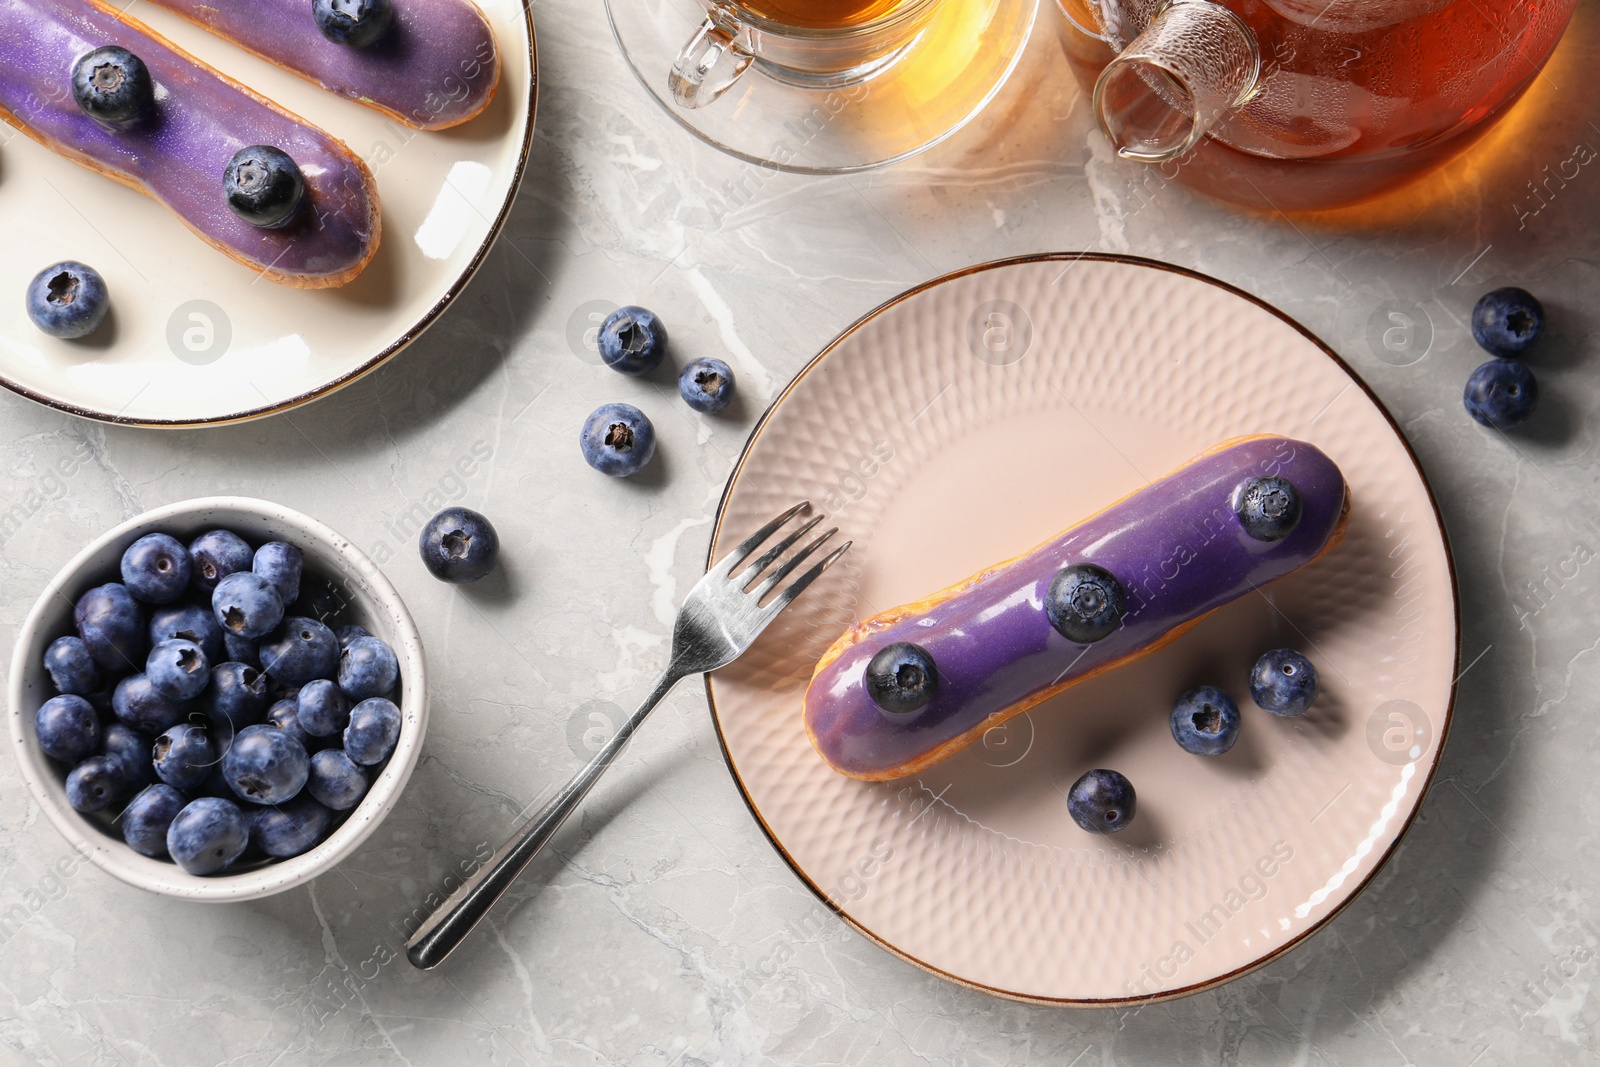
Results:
x,y
719,620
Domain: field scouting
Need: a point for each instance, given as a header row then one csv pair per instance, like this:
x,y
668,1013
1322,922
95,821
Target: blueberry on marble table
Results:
x,y
190,622
321,709
72,670
355,23
139,705
632,340
266,765
901,677
459,545
246,604
281,564
706,385
147,817
368,668
264,186
1283,682
113,86
1507,322
289,829
216,554
1268,508
183,756
1085,603
207,835
1102,801
1501,393
68,728
156,568
1205,721
618,439
299,650
112,625
373,730
336,780
177,669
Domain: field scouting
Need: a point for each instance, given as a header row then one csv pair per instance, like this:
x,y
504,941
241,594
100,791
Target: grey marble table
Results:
x,y
664,929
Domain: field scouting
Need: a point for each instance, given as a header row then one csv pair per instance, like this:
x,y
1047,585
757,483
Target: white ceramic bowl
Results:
x,y
373,603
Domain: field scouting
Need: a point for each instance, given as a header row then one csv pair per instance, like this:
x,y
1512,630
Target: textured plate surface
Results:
x,y
971,419
194,337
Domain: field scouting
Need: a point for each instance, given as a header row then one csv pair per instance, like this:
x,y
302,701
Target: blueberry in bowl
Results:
x,y
207,795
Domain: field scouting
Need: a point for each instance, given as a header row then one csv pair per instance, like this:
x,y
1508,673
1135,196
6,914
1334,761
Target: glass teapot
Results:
x,y
1365,93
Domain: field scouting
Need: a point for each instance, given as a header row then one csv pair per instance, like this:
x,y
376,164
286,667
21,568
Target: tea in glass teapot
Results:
x,y
1304,103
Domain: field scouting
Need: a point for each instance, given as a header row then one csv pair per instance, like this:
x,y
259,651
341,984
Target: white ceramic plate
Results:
x,y
969,420
194,337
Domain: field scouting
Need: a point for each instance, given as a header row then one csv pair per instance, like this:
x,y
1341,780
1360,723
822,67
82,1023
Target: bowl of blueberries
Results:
x,y
218,699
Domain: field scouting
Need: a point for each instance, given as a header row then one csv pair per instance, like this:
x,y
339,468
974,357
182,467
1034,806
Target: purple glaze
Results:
x,y
179,155
436,67
1178,550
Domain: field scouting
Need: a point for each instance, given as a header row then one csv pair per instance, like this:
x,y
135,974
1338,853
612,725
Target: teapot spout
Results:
x,y
1194,64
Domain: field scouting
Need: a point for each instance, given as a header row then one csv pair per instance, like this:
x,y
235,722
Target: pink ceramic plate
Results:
x,y
967,421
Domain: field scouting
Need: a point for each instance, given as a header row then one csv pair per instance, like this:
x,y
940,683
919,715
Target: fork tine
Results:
x,y
786,597
769,557
771,581
751,543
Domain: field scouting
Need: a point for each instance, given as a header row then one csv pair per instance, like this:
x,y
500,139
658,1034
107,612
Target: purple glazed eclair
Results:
x,y
435,66
1122,584
179,153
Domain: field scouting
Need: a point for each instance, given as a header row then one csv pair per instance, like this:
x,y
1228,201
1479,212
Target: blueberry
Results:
x,y
374,728
632,340
368,668
183,756
68,300
1205,721
1283,682
1085,603
321,709
357,23
68,728
237,695
459,545
618,439
113,86
207,835
1102,801
901,677
336,780
177,669
706,385
240,649
299,650
246,604
112,624
146,818
139,705
1501,394
216,554
156,568
264,186
72,670
190,622
280,564
291,829
131,750
265,765
346,634
1507,321
1268,508
285,715
96,783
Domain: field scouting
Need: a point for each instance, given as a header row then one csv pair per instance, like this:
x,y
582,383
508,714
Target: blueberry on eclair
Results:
x,y
112,86
1085,603
901,678
1268,508
264,186
357,23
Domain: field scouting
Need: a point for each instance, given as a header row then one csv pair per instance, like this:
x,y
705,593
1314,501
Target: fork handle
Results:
x,y
451,921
